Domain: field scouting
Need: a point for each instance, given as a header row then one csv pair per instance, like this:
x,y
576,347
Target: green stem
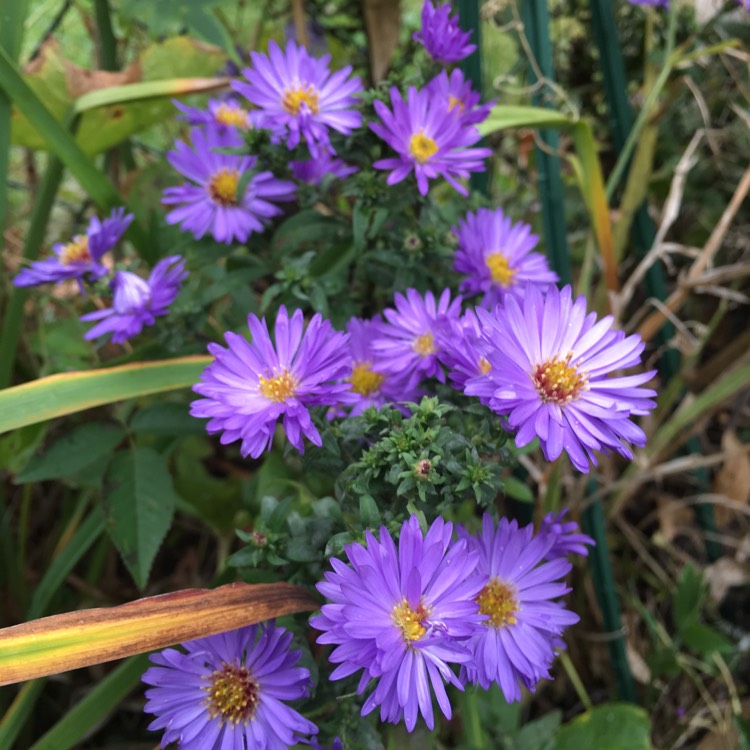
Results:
x,y
473,733
20,710
575,680
105,35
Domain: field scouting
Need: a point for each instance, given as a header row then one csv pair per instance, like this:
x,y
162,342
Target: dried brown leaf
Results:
x,y
383,25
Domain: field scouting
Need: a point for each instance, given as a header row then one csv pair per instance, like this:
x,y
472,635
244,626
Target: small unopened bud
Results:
x,y
423,468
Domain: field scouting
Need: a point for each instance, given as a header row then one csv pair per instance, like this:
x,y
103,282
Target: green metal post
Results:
x,y
621,122
536,27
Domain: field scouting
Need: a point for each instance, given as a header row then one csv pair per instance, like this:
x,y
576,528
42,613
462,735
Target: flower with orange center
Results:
x,y
76,251
422,147
365,381
410,621
232,694
498,601
295,96
222,187
424,345
229,690
499,268
524,619
559,382
298,98
232,115
280,387
250,386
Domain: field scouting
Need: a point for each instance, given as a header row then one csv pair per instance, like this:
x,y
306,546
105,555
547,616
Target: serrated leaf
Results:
x,y
138,505
614,726
75,452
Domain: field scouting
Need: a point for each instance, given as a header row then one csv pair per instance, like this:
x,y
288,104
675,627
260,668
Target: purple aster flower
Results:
x,y
312,171
550,363
407,342
460,351
441,35
224,114
229,691
298,97
209,202
81,257
459,97
250,385
400,614
567,537
429,140
496,256
516,644
371,383
138,302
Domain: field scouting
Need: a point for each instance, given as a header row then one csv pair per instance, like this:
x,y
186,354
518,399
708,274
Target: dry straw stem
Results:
x,y
300,27
637,475
671,211
91,636
655,321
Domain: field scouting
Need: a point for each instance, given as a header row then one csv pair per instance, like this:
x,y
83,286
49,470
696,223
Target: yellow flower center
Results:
x,y
424,345
227,114
223,187
410,620
364,381
484,365
454,102
296,96
76,251
422,147
233,694
558,381
498,601
499,268
278,388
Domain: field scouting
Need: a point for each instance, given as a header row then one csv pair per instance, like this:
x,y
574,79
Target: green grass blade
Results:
x,y
80,543
72,392
104,698
19,712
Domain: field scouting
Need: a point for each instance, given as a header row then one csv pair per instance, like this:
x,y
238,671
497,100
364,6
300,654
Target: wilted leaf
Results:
x,y
733,479
91,636
722,575
59,83
614,726
82,447
139,501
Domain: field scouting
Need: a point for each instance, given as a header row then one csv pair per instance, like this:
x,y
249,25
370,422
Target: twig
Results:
x,y
670,214
654,322
300,28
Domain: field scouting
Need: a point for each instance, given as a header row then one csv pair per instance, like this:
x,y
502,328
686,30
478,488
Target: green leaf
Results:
x,y
138,505
368,512
78,450
72,392
688,597
538,734
97,704
704,639
614,726
518,490
168,419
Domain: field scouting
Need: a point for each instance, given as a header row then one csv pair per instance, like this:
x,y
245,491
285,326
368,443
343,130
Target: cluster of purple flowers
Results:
x,y
665,3
401,614
136,302
533,355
